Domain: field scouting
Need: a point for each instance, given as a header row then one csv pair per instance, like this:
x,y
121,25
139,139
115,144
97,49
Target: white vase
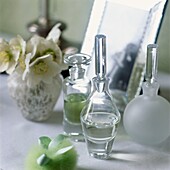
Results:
x,y
36,103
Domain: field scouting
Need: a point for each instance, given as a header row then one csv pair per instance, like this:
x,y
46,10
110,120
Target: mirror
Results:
x,y
129,27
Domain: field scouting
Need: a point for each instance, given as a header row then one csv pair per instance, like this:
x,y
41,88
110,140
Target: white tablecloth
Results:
x,y
17,135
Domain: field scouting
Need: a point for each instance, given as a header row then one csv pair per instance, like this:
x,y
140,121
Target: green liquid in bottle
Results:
x,y
73,105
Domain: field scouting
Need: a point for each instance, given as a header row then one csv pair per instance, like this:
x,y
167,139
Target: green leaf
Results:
x,y
43,160
56,141
44,141
64,150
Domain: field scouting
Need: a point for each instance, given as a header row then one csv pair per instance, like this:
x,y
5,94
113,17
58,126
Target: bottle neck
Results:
x,y
150,89
76,73
100,85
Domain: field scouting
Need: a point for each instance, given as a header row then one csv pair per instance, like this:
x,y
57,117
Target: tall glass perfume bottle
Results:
x,y
76,89
100,116
147,117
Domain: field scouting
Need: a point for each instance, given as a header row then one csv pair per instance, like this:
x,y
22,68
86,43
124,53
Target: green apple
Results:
x,y
56,154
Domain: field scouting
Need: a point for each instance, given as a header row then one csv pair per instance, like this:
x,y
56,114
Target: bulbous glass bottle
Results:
x,y
147,117
76,89
100,116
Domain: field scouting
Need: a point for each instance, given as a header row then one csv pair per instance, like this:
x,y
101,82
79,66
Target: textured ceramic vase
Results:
x,y
36,103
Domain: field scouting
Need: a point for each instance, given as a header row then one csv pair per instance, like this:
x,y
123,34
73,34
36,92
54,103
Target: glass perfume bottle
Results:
x,y
147,117
76,89
100,116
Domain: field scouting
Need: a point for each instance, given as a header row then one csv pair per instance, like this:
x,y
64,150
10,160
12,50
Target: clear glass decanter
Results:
x,y
147,117
76,89
100,116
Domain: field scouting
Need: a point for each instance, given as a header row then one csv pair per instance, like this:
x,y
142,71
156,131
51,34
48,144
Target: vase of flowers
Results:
x,y
34,66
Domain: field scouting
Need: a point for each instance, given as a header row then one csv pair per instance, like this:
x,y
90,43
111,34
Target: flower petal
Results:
x,y
11,67
27,61
3,66
55,33
40,58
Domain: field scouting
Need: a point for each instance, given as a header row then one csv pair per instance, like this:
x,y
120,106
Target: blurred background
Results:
x,y
15,15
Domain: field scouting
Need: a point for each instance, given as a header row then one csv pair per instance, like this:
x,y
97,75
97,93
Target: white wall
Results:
x,y
16,14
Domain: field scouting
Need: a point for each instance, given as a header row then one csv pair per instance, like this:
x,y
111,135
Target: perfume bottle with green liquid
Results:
x,y
76,89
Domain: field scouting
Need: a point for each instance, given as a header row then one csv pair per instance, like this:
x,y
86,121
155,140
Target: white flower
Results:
x,y
42,69
10,53
8,57
39,46
38,59
43,60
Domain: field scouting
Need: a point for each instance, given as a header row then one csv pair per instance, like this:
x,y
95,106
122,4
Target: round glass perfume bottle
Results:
x,y
76,89
100,116
147,117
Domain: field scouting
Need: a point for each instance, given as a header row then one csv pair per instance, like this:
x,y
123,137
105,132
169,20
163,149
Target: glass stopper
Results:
x,y
100,56
77,59
151,63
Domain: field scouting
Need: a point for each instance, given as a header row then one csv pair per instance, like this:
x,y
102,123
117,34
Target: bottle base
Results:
x,y
74,131
77,137
99,155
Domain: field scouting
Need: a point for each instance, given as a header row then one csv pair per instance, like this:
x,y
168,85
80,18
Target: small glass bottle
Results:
x,y
147,117
76,89
100,116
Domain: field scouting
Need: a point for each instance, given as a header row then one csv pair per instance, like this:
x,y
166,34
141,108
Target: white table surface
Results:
x,y
17,135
